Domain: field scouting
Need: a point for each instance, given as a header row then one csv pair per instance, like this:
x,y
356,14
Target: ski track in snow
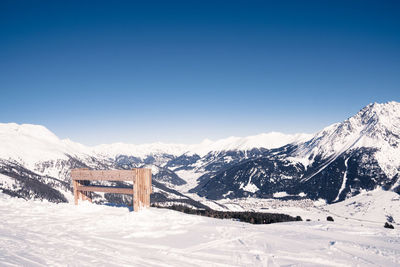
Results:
x,y
42,234
343,186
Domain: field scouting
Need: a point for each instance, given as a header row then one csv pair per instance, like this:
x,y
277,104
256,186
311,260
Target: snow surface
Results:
x,y
344,181
41,233
6,181
250,187
280,194
190,176
372,208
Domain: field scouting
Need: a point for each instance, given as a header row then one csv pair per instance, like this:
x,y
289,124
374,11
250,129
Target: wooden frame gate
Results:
x,y
141,189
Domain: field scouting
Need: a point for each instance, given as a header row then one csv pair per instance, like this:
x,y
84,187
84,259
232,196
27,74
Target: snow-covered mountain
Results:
x,y
360,153
375,126
33,154
265,140
30,143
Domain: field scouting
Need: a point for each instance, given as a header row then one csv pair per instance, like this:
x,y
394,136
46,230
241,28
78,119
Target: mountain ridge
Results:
x,y
40,133
360,153
338,162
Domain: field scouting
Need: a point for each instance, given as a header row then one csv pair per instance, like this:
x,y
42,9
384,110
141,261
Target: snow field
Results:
x,y
34,233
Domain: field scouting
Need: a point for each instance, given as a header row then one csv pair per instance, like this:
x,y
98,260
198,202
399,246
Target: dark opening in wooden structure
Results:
x,y
140,190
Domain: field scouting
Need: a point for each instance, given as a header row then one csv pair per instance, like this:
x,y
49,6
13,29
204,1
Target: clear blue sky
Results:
x,y
102,72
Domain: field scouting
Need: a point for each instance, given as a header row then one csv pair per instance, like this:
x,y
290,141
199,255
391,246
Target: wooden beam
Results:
x,y
115,190
106,175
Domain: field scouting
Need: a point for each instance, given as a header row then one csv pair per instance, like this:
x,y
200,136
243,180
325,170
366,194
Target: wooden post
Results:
x,y
140,189
76,196
148,187
80,195
145,188
135,191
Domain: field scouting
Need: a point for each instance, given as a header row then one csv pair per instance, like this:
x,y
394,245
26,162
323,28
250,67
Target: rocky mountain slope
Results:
x,y
360,153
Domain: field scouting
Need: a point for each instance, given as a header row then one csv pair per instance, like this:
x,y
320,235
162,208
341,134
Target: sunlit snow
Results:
x,y
40,233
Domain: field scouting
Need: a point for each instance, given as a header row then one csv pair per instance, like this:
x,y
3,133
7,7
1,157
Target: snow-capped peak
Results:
x,y
140,151
30,143
33,131
374,126
264,140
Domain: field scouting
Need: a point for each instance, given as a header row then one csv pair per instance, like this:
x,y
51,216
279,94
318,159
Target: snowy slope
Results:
x,y
35,234
373,206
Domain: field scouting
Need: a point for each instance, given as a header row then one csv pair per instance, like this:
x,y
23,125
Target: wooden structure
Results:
x,y
140,190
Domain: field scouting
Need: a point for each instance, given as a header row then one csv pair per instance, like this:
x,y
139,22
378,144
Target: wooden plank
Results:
x,y
102,175
116,190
